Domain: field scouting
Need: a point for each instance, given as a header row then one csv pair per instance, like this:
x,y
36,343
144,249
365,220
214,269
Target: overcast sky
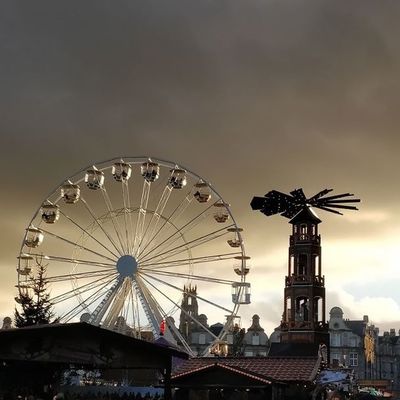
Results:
x,y
252,95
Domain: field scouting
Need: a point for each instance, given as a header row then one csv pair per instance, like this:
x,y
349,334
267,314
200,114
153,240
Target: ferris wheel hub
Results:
x,y
127,266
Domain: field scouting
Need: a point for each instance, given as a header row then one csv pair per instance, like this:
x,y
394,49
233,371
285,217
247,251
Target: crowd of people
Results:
x,y
88,395
107,396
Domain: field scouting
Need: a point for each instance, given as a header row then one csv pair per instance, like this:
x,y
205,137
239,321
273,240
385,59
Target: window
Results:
x,y
302,267
353,359
229,338
202,338
335,339
335,356
189,301
255,339
352,342
248,353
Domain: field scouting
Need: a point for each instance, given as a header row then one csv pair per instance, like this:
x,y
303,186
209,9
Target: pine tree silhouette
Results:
x,y
35,304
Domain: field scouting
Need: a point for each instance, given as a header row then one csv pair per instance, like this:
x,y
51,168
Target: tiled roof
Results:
x,y
232,368
283,369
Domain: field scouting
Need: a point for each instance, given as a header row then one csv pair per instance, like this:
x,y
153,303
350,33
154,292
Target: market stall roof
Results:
x,y
220,375
277,369
83,344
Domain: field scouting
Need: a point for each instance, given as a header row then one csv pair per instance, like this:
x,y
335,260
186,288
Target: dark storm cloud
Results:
x,y
253,95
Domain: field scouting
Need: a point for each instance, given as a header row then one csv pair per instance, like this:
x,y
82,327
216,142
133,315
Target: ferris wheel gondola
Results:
x,y
118,252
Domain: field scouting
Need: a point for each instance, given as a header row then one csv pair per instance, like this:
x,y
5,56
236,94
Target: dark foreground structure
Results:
x,y
33,359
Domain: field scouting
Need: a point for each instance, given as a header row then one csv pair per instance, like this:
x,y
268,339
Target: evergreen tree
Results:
x,y
35,304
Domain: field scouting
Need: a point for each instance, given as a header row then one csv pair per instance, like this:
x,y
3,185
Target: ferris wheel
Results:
x,y
121,239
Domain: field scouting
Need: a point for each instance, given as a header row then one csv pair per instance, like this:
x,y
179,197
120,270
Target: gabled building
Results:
x,y
353,343
255,340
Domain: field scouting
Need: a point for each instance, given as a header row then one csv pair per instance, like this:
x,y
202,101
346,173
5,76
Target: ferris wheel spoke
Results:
x,y
76,244
75,261
150,307
186,261
100,225
176,333
117,305
135,301
159,313
104,305
189,276
180,290
188,245
86,232
155,218
127,215
173,216
81,289
179,232
144,200
172,330
85,303
130,310
67,277
181,308
114,221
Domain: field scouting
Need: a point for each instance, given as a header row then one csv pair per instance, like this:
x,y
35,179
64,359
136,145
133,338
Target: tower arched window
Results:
x,y
302,309
313,229
303,231
302,266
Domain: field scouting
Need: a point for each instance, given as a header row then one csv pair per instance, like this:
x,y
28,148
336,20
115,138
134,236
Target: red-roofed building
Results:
x,y
245,377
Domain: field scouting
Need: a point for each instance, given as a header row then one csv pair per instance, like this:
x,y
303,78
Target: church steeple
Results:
x,y
191,308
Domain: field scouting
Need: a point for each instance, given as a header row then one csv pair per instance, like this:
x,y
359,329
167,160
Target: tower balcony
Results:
x,y
304,325
305,238
304,280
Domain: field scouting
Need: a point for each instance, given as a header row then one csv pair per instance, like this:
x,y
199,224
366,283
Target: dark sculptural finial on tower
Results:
x,y
288,205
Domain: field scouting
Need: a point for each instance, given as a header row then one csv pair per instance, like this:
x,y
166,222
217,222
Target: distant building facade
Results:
x,y
354,344
388,359
239,342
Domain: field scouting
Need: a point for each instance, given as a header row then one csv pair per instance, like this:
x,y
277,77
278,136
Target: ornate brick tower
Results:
x,y
304,318
304,303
